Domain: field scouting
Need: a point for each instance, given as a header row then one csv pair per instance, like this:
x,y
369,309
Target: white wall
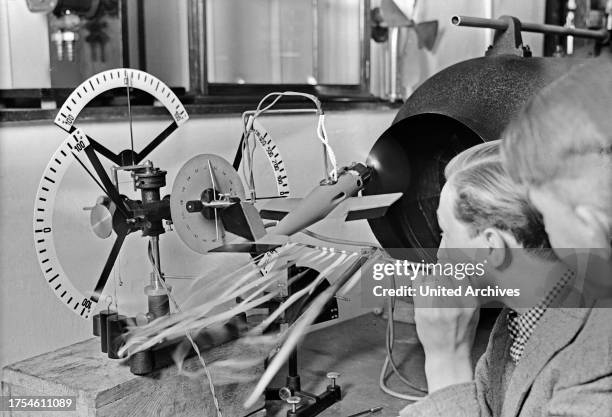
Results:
x,y
32,320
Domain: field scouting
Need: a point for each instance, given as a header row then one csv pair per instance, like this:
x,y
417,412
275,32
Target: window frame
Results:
x,y
29,104
200,88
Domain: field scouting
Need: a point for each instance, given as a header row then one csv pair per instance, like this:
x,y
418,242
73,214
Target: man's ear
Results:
x,y
498,252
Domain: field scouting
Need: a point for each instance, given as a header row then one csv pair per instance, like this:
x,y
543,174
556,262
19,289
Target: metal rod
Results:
x,y
498,24
293,364
129,83
156,260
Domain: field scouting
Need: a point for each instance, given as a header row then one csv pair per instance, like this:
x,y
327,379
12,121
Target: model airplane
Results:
x,y
328,200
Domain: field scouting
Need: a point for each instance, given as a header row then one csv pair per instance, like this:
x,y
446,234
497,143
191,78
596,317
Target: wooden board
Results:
x,y
105,387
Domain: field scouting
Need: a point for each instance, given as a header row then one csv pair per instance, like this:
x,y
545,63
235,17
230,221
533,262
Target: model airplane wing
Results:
x,y
365,207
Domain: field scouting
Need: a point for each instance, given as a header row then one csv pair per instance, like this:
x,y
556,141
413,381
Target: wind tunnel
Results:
x,y
459,107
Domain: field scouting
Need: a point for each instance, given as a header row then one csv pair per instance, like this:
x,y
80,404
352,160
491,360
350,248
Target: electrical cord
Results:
x,y
390,331
248,150
390,339
187,333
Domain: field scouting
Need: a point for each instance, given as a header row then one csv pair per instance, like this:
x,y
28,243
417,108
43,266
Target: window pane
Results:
x,y
284,41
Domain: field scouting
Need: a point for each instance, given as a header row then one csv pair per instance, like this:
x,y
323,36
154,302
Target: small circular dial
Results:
x,y
199,174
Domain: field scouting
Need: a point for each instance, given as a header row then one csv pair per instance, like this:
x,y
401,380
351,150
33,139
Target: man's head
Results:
x,y
483,211
560,147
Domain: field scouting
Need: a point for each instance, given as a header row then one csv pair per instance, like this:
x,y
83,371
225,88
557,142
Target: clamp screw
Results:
x,y
294,401
333,376
284,393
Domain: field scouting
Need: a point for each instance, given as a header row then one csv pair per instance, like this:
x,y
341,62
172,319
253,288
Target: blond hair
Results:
x,y
488,197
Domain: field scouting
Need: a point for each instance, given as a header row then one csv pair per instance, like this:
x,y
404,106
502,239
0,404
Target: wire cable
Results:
x,y
187,333
390,331
390,339
321,132
338,241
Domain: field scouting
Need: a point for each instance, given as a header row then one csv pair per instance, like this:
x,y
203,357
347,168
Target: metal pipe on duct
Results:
x,y
460,106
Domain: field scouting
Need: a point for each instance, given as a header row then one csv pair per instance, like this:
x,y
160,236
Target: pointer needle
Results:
x,y
214,187
127,80
91,175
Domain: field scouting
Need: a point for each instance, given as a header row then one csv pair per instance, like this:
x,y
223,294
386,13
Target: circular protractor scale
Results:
x,y
273,154
203,174
81,292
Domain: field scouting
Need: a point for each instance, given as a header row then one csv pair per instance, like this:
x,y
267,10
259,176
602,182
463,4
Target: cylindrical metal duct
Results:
x,y
465,104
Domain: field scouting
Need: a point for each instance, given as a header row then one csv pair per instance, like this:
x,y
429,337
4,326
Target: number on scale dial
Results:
x,y
118,78
273,154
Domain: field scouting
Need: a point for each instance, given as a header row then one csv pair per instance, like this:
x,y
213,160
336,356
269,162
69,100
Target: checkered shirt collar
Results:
x,y
521,326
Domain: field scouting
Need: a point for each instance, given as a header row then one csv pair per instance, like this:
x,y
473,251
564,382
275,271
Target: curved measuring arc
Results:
x,y
118,78
122,78
72,147
273,154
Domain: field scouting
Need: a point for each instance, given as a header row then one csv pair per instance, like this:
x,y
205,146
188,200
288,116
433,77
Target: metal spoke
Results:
x,y
214,187
91,175
107,153
238,156
130,116
112,192
108,266
156,142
